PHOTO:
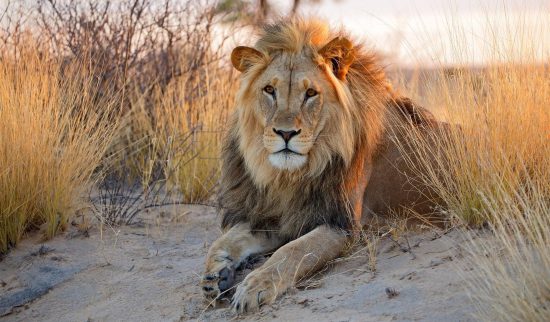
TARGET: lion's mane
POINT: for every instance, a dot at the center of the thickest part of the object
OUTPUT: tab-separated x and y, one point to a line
294	203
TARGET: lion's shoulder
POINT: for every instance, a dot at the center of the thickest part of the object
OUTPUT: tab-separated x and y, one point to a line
412	112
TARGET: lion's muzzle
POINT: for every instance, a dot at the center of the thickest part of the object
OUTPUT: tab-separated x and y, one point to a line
286	150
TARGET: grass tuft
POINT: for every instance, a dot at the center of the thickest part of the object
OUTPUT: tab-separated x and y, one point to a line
55	129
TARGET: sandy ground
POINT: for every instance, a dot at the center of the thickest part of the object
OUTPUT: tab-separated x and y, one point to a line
150	272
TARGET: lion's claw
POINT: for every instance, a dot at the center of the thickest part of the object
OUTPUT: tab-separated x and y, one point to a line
210	288
209	277
256	290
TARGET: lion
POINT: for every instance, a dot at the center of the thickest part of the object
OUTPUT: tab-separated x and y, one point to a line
309	158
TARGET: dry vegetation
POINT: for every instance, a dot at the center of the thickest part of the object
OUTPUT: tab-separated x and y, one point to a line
124	101
52	138
494	172
140	99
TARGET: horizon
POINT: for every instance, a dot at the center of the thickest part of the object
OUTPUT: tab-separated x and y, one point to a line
423	33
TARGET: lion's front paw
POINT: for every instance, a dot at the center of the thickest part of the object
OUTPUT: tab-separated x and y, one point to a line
218	278
258	288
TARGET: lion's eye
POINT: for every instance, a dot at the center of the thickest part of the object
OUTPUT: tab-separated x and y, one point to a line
269	89
310	93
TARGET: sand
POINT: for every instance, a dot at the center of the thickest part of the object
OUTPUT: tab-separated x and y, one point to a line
150	272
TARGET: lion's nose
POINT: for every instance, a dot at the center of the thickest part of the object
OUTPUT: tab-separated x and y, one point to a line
286	135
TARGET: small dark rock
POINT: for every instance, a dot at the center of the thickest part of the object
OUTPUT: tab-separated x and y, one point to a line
391	292
43	250
57	258
303	302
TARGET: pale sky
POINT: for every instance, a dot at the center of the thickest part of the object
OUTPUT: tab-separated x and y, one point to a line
428	31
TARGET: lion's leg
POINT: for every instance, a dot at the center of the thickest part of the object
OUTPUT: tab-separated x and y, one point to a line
288	264
228	252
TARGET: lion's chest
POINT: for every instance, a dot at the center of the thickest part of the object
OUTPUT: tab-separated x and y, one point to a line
294	212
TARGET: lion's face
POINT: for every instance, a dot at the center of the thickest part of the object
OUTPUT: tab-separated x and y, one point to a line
292	95
294	100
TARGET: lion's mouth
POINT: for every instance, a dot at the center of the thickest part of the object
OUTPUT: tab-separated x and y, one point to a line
287	151
287	159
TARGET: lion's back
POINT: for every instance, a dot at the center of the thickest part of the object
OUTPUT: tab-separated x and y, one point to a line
395	185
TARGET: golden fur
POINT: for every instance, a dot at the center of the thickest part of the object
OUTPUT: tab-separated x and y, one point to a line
319	192
345	166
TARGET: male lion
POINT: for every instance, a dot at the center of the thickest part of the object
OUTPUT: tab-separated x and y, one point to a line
308	159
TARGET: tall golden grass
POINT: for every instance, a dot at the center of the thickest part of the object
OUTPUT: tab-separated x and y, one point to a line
177	129
499	142
54	131
172	94
494	170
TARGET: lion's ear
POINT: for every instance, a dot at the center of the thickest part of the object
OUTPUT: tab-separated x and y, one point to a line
340	54
244	57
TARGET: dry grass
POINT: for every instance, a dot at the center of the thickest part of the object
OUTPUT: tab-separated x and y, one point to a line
178	131
173	93
499	138
513	267
52	138
493	169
